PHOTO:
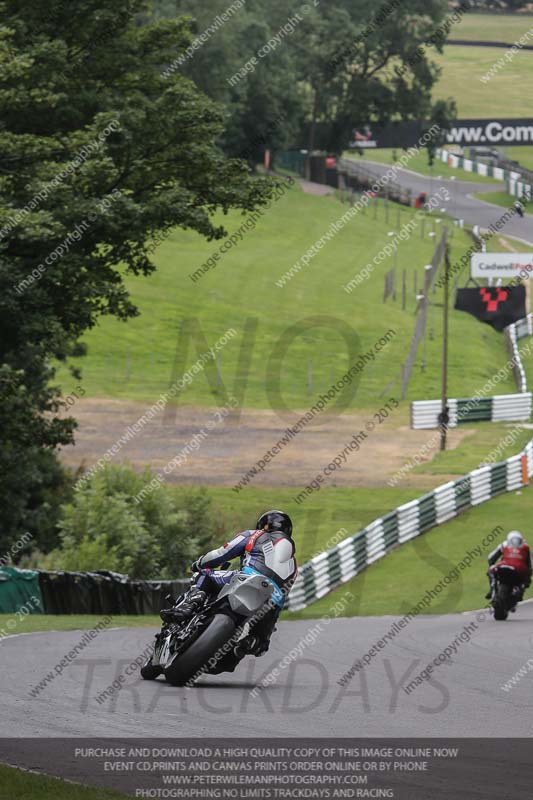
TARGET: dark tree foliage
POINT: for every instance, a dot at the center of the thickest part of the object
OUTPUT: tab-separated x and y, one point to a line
337	69
109	137
99	152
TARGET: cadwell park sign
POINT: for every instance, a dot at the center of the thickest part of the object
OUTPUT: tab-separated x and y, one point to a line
501	265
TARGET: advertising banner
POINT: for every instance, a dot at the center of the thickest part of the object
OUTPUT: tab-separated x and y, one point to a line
497	306
274	768
396	134
465	132
501	265
490	132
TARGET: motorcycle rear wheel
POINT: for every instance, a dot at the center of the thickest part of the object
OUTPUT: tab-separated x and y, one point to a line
501	603
186	665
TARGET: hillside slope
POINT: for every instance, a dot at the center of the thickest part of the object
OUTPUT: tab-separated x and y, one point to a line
137	360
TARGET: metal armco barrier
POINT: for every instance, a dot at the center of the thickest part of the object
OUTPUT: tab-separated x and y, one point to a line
360	176
327	571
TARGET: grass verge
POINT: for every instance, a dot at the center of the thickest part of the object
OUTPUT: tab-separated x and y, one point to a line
492	27
35	623
15	784
497	198
335	513
507	94
523	154
390	586
316	522
499	439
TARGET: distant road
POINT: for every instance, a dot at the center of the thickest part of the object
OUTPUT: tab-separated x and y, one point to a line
462	205
485	43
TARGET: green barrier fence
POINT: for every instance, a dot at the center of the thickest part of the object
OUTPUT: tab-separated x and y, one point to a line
20	591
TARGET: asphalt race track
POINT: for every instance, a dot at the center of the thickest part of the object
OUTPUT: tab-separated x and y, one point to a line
461	204
462	698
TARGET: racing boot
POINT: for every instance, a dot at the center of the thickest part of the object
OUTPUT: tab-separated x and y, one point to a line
193	600
251	646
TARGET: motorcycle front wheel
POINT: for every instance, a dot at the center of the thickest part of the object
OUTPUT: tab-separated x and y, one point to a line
207	646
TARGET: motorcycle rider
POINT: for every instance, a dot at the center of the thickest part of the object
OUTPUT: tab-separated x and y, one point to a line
519	208
268	550
514	552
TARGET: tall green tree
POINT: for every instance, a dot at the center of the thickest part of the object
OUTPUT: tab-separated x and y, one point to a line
266	109
335	65
99	152
352	50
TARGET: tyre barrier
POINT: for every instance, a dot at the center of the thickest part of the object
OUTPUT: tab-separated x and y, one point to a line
514	332
520	189
101	592
457	161
499	408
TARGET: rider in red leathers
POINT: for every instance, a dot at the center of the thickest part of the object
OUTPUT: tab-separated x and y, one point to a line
514	552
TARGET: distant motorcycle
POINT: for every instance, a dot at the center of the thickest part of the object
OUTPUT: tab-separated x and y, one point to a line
506	590
216	638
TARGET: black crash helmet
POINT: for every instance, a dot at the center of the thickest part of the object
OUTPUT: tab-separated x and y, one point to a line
276	521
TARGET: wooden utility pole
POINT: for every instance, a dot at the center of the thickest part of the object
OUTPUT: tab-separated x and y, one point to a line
444	416
312	132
